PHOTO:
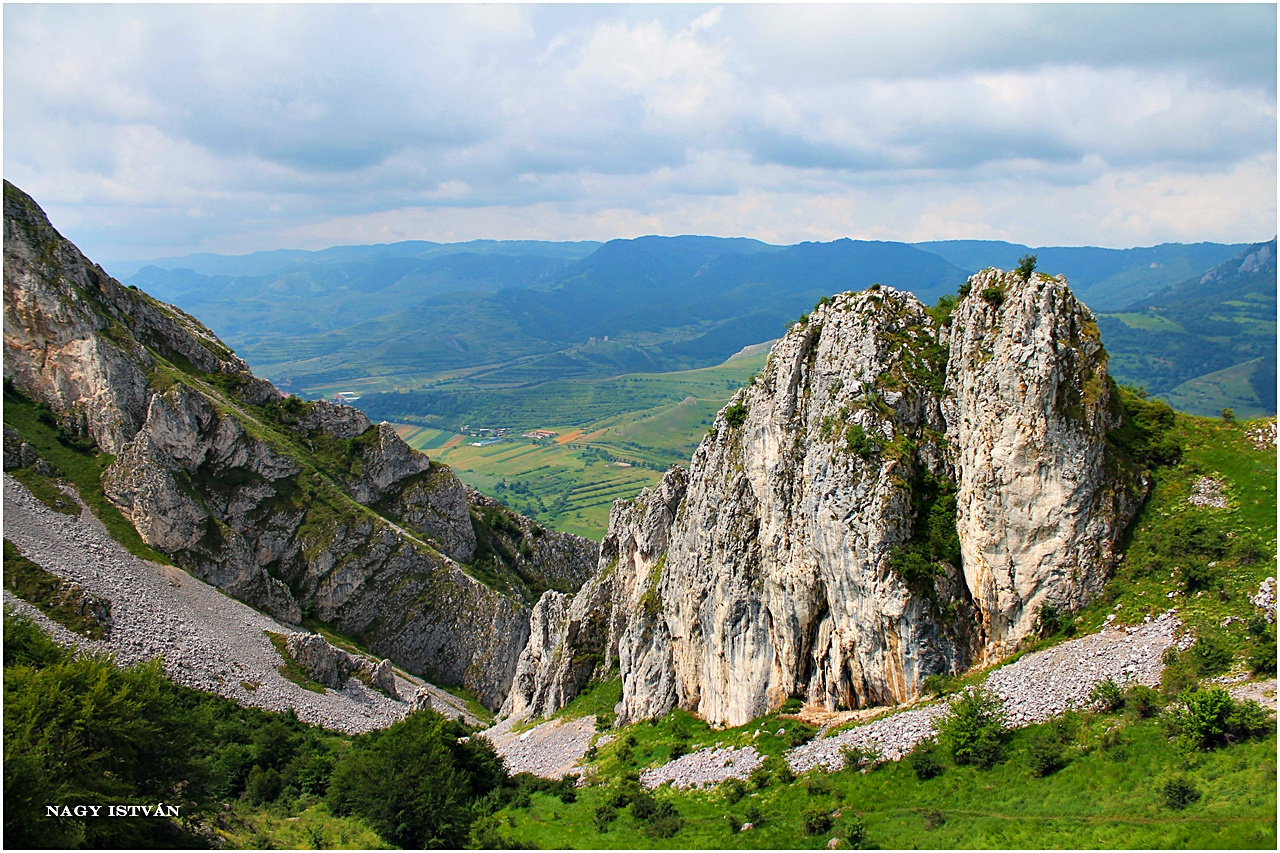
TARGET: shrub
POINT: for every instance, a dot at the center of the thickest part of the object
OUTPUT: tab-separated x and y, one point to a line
1045	752
779	767
1209	657
1106	696
1211	718
934	819
1048	620
817	784
734	825
754	816
1178	792
262	786
815	820
1195	575
1228	415
974	730
855	757
860	442
993	296
793	705
736	415
733	790
854	830
1026	266
416	782
604	720
925	761
937	685
1142	700
1262	654
604	815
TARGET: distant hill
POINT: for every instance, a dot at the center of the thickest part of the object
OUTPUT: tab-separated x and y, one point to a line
1206	343
649	304
488	315
1105	279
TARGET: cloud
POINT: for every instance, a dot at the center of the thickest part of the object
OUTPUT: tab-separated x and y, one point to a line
152	129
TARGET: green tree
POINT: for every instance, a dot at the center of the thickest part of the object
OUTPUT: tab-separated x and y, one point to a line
419	783
973	730
1026	266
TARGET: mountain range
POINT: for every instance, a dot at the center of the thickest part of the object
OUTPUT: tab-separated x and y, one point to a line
493	315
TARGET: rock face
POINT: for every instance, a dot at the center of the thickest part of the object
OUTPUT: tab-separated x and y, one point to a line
891	498
291	506
333	666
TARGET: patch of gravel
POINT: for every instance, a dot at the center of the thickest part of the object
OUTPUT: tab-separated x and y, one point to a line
206	639
1262	436
552	749
1262	692
1265	599
1034	688
704	767
1208	492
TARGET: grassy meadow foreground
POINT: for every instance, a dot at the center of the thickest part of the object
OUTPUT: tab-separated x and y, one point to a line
1183	766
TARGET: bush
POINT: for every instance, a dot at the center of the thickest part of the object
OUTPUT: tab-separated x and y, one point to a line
262	786
643	807
937	685
854	830
1048	620
1262	654
604	720
793	705
1026	266
1106	696
736	415
604	815
416	783
925	761
1209	657
974	730
1142	700
1211	718
1178	792
860	442
816	820
752	813
993	296
1045	752
733	790
855	757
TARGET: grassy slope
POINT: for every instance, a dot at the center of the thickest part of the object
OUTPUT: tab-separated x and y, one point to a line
1108	796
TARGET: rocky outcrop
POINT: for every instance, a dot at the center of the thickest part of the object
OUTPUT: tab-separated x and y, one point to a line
291	506
1027	411
333	666
893	497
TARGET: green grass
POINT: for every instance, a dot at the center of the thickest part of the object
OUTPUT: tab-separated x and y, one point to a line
1103	798
40	588
1208	395
46	491
312	827
1170	535
290	668
81	467
1151	322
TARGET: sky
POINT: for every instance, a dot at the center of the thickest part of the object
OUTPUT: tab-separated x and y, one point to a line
154	130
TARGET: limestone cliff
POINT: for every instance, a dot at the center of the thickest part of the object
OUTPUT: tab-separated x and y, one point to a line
291	506
894	496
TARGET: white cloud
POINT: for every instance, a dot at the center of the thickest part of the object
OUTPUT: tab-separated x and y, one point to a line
305	125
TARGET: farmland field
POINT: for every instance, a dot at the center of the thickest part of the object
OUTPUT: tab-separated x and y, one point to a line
570	481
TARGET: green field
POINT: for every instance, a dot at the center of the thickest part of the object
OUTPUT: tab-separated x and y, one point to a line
642	424
1223	389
